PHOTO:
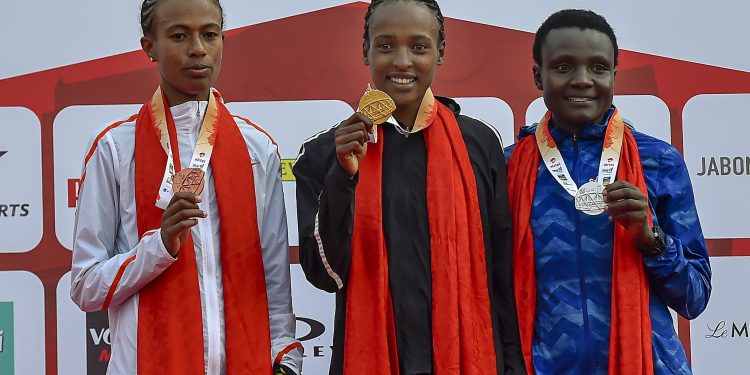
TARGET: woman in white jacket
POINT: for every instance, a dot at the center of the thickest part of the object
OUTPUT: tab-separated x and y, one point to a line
180	230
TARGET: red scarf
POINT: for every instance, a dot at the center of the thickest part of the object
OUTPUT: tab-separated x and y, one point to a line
462	333
630	349
170	329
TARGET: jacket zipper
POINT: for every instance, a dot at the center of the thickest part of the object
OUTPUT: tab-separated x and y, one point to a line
579	251
208	264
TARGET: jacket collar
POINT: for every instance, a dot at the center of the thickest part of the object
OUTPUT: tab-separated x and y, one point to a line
590	131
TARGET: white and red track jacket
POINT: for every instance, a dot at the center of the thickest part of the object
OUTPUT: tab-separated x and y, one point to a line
106	242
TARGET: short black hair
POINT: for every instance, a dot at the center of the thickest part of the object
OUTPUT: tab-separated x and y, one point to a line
580	18
147	14
432	5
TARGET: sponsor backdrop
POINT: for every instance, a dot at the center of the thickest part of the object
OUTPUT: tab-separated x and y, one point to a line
296	68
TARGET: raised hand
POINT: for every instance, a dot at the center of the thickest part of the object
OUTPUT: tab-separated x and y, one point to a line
181	214
628	206
351	141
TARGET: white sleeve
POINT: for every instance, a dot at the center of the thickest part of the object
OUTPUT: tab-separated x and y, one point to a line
103	274
275	247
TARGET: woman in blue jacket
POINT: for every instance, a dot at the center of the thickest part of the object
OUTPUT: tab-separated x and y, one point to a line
606	234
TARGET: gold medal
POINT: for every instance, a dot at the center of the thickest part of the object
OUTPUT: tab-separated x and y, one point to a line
376	105
188	180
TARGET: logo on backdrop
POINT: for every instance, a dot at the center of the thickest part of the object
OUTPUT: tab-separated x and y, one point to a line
73	185
316	330
98	343
7	333
13	209
725	166
727	330
286	170
99	350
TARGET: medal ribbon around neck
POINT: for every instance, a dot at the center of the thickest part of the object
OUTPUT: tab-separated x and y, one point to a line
588	198
425	115
165	127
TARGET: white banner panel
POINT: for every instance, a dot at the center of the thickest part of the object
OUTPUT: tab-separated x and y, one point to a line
493	111
720	336
71	332
21	324
715	138
72	130
20	188
314	309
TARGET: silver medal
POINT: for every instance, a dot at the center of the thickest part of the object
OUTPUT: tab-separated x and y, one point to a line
590	198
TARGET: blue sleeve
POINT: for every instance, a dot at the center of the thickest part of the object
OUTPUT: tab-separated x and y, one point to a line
508	151
681	275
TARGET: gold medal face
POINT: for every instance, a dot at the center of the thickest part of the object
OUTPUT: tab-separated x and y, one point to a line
590	198
376	105
188	180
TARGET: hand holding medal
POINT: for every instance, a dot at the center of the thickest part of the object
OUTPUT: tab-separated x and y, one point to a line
628	206
181	214
352	134
188	180
378	107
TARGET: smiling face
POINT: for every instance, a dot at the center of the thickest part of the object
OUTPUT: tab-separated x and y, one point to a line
577	76
403	52
187	42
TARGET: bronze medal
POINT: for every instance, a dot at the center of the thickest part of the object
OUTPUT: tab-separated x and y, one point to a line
376	105
188	180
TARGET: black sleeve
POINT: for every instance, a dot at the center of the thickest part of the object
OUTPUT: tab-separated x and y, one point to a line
502	272
325	214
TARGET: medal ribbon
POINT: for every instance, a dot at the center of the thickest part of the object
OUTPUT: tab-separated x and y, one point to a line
608	163
165	127
425	115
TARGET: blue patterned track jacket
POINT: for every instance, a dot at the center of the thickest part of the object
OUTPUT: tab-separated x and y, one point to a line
573	259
